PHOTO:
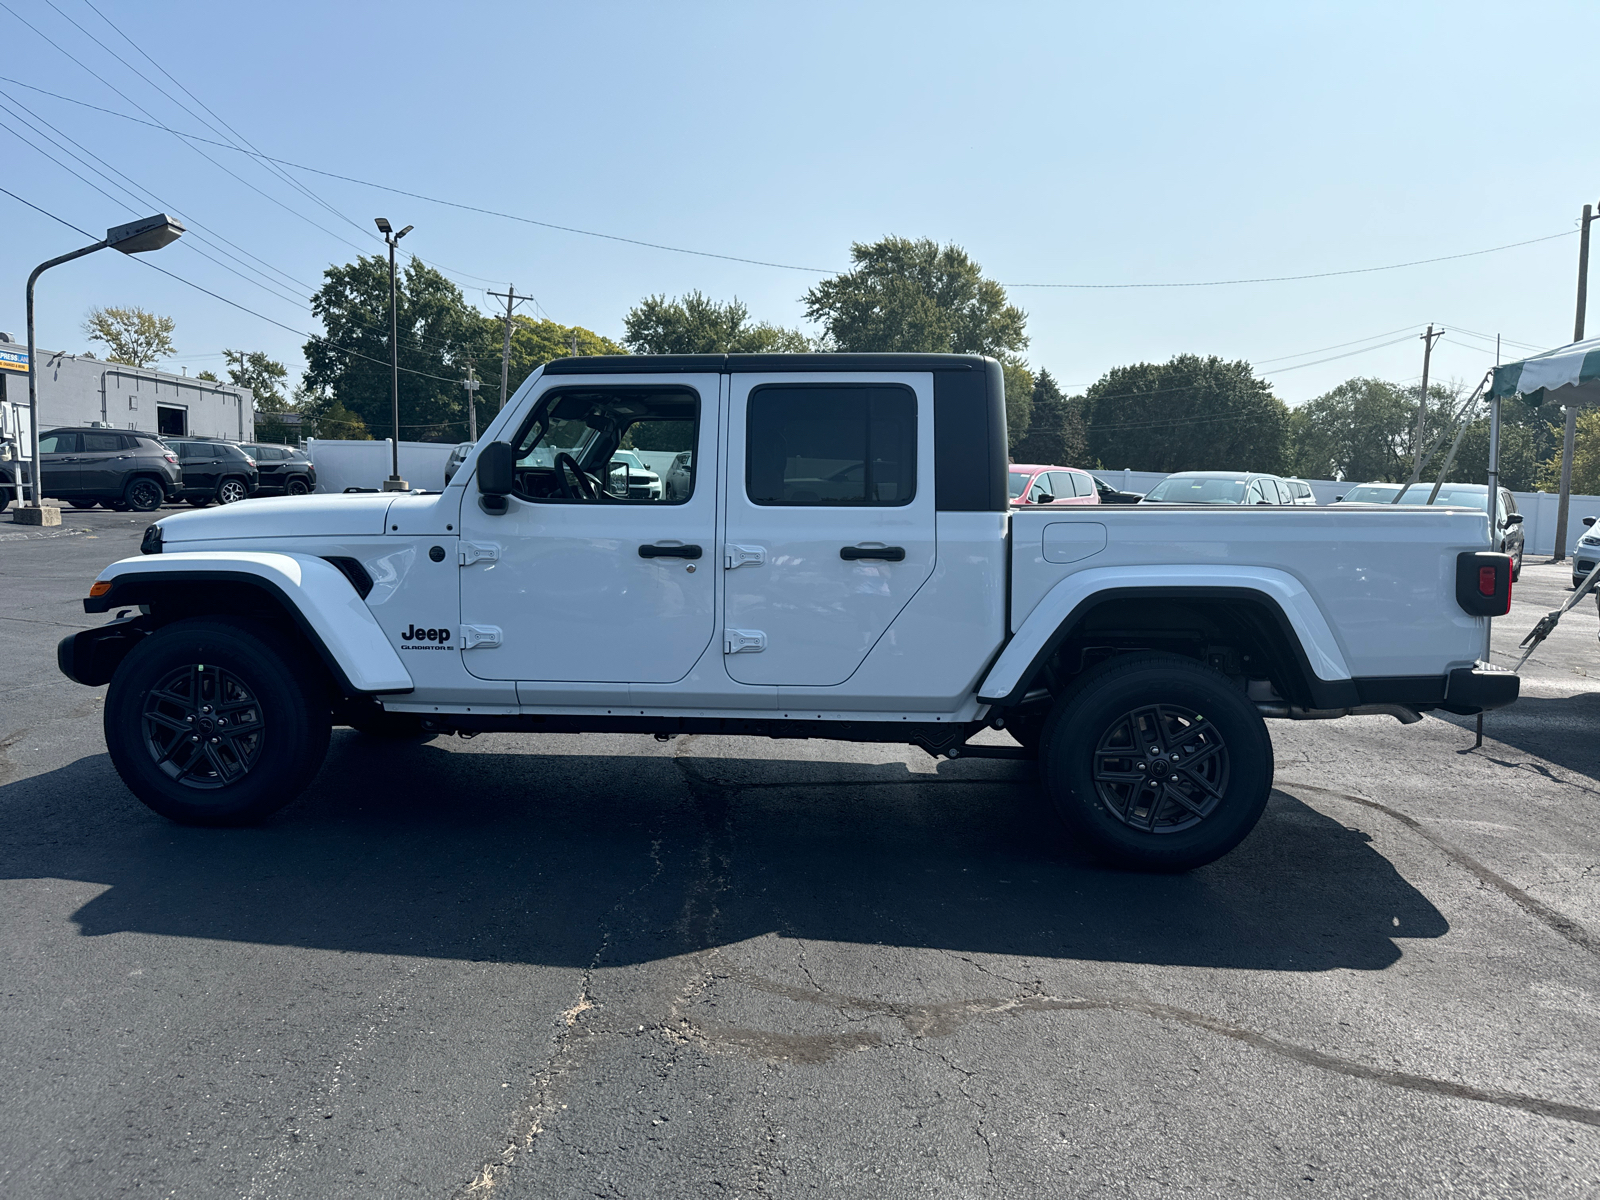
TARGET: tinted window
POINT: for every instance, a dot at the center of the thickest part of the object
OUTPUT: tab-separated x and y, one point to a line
1508	501
1083	484
1019	482
835	444
100	442
1061	485
1187	489
58	443
232	452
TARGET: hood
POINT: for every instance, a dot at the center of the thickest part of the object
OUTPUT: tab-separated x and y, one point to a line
335	515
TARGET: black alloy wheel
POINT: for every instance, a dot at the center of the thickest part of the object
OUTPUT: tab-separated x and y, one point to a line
297	486
143	494
203	726
1161	769
231	491
1156	762
217	722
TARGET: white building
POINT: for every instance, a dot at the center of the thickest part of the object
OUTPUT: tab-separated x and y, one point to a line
75	389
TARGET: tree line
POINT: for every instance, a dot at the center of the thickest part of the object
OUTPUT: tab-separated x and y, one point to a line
1192	412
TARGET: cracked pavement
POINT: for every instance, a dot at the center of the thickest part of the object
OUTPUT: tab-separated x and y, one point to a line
606	966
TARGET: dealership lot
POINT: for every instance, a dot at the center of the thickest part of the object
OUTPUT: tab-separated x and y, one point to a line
594	965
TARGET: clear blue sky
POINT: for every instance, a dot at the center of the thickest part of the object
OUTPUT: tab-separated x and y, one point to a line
1058	143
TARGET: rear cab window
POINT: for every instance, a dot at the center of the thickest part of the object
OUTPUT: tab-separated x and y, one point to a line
832	444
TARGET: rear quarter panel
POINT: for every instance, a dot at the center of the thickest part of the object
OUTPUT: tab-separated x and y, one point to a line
1383	579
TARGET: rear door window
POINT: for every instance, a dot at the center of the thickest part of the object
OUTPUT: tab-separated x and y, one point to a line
847	445
99	443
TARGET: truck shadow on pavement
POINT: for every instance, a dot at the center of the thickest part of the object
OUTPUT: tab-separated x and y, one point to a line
1556	730
582	860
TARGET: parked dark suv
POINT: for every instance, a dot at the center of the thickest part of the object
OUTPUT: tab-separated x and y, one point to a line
214	470
283	468
120	468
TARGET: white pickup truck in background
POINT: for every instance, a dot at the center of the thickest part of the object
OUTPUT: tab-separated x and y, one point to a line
841	562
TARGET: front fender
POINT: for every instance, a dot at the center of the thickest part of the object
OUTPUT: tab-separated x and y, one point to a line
1055	615
314	593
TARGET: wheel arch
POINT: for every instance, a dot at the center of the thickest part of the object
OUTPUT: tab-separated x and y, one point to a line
1261	628
308	595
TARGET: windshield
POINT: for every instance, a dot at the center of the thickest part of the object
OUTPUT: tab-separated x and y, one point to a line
1461	495
1204	489
1019	480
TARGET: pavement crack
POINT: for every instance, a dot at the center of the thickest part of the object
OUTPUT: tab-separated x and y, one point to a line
1562	924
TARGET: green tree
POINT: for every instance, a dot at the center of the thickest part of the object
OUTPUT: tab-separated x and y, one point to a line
534	343
910	295
1188	414
265	378
1365	430
1585	458
697	324
134	337
438	333
1055	433
1519	459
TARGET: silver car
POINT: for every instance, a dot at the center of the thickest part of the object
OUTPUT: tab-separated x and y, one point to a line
1219	487
680	476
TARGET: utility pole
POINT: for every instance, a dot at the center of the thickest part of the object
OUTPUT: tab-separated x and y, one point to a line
512	300
1428	340
574	343
472	385
1569	438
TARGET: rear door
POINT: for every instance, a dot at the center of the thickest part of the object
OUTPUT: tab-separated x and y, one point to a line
103	459
829	521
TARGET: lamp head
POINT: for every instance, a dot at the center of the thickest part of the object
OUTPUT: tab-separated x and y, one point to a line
384	227
148	233
403	232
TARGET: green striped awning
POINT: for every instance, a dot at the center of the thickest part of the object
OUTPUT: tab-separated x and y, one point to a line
1569	375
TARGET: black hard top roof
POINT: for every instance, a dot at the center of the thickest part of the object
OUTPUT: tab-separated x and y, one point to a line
629	364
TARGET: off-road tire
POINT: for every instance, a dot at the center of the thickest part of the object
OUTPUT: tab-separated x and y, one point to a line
232	490
143	494
1222	770
272	738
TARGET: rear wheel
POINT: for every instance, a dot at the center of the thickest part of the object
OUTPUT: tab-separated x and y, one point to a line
143	494
214	722
83	503
231	491
297	486
1157	762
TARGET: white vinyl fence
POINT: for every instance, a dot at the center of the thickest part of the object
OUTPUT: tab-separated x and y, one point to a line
342	465
1538	509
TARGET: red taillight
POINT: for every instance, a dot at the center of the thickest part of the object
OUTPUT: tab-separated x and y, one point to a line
1486	581
171	457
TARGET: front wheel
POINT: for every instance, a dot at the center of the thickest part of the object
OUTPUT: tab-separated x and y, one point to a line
1157	762
231	491
209	723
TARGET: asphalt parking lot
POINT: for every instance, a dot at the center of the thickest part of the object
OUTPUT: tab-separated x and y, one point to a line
606	966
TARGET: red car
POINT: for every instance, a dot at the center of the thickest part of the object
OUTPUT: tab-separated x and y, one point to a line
1052	485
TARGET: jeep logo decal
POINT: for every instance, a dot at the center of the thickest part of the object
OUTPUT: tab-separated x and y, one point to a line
416	637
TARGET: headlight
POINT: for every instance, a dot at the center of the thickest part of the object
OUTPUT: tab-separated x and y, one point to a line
1589	541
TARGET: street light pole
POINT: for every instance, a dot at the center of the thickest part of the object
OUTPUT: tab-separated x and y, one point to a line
136	237
394	483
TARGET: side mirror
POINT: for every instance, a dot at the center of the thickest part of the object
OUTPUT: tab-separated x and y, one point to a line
1045	498
496	474
1336	499
1588	520
1516	519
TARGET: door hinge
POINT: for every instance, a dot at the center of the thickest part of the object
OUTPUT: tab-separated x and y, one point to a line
472	552
743	641
741	556
475	637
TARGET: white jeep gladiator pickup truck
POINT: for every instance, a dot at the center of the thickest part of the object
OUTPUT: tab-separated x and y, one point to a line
841	562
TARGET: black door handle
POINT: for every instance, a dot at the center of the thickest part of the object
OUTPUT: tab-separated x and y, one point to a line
669	551
886	553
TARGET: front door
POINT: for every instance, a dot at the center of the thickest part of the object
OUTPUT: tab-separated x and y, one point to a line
830	523
593	574
58	464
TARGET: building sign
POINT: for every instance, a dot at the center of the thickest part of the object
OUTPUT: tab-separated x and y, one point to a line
13	360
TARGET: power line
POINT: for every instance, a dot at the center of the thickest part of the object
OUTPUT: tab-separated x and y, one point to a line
1256	362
